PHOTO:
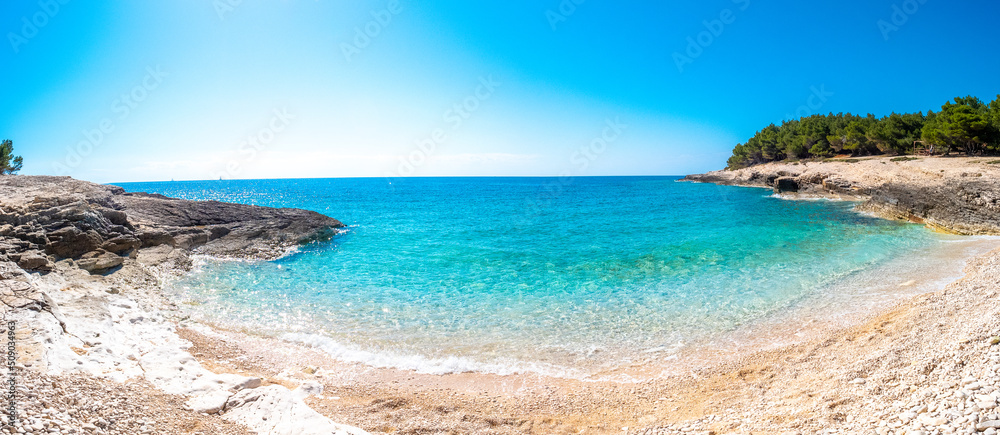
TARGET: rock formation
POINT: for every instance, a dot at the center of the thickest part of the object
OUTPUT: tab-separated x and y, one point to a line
46	219
957	195
92	252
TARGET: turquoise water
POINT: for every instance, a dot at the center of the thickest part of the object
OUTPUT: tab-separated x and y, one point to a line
557	276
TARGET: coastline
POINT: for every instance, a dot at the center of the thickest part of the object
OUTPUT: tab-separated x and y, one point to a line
830	380
81	273
957	195
932	342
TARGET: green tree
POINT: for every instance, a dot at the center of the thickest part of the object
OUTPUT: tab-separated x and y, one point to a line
995	111
836	141
896	133
9	163
821	149
812	134
963	125
993	115
856	137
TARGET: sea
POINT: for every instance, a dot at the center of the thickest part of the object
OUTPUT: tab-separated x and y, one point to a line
585	277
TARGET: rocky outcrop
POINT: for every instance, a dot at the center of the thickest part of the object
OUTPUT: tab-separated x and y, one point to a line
47	219
107	251
224	229
786	181
962	206
954	195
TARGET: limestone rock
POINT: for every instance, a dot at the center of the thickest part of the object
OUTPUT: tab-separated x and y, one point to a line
929	191
989	424
67	218
71	242
34	261
275	410
155	237
211	403
121	244
99	261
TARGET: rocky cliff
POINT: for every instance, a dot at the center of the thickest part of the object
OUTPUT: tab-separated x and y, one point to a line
958	195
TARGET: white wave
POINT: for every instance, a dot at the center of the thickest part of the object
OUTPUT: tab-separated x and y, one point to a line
422	364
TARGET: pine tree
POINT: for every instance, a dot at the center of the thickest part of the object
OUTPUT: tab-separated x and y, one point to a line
962	125
9	163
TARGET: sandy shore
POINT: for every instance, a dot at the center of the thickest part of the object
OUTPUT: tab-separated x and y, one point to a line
930	364
852	380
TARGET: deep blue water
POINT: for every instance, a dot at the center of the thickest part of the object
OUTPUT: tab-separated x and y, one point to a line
565	276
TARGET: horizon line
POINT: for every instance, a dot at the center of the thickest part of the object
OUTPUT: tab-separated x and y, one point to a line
401	178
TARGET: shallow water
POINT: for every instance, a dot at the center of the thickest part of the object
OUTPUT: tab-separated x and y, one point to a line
566	277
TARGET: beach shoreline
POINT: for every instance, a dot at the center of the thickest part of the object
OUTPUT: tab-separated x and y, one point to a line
911	358
799	380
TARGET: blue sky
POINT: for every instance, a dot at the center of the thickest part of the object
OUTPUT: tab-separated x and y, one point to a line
199	89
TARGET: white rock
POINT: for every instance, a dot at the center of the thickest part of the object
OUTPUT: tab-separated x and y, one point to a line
308	389
927	420
209	403
990	424
275	410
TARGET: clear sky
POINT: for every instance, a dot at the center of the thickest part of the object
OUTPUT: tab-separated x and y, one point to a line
159	90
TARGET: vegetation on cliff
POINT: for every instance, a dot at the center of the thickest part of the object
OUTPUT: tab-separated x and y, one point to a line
9	163
965	125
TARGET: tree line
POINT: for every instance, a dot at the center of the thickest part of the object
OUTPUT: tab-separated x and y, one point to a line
965	125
